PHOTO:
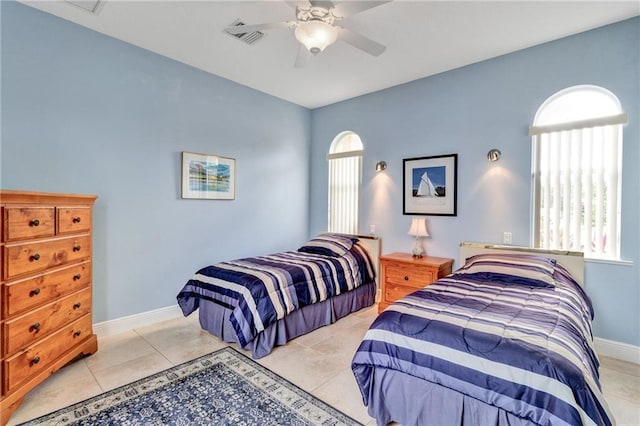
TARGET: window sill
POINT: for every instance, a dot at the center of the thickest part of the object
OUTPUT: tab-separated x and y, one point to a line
616	262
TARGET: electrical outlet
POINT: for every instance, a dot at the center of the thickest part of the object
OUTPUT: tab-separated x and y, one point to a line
506	237
372	229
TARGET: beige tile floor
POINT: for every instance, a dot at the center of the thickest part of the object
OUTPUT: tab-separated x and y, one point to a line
318	362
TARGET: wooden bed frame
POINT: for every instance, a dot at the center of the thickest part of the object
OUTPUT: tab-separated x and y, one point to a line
573	261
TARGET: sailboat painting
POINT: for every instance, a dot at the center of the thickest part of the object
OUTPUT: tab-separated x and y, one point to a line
423	182
430	185
208	177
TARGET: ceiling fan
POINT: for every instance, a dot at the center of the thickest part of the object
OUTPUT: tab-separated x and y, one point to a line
318	24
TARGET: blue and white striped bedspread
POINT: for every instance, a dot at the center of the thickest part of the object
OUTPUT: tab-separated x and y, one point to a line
261	290
526	350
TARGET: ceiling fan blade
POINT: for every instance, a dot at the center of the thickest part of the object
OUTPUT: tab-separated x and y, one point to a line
361	42
241	29
346	9
295	4
326	4
303	57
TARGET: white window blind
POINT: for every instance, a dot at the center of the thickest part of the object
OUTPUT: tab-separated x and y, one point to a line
577	175
345	171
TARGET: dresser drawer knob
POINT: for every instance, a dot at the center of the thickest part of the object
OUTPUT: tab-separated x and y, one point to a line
34	222
406	278
35	292
35	360
35	257
35	327
76	248
77	333
76	277
76	305
76	219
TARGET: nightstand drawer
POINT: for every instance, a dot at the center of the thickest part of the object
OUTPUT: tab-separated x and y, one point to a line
393	292
408	275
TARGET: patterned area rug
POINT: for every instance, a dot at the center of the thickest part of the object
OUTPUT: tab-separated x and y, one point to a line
222	388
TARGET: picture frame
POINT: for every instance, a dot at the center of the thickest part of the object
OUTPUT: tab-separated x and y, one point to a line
208	177
430	185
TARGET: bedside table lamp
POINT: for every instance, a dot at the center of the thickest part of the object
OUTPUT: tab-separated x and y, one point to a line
418	229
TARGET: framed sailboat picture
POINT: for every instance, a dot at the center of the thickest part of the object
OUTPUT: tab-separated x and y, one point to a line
208	177
430	185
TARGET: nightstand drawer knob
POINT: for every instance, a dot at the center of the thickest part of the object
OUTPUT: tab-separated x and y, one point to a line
76	277
77	248
35	257
76	219
34	222
35	360
77	305
35	327
406	278
77	333
35	292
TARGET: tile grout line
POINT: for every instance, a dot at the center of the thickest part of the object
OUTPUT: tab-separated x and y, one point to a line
135	330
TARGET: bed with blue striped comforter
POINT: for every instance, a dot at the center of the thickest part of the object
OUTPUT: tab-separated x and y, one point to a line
261	290
526	351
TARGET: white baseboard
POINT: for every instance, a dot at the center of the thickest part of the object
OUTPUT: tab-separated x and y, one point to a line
618	350
122	324
610	348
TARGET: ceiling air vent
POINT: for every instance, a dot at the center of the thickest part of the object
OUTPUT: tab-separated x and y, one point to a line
92	6
248	38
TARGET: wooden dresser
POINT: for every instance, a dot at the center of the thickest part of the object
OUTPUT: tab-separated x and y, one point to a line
403	274
45	293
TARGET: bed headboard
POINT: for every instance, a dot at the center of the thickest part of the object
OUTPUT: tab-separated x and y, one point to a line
373	246
573	261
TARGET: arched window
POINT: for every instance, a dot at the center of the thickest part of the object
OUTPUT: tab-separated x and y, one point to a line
345	171
577	164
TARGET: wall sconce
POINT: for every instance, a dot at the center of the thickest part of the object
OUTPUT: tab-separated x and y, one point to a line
381	165
494	155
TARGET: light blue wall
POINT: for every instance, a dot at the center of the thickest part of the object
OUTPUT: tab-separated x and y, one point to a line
85	113
471	110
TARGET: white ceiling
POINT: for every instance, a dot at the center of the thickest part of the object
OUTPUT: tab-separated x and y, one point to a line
422	37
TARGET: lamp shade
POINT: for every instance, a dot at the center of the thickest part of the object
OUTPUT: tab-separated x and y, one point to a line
315	35
418	228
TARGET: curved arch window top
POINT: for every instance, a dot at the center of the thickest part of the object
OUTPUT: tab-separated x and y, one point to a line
578	107
346	144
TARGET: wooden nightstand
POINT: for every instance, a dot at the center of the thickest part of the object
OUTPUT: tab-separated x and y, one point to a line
403	274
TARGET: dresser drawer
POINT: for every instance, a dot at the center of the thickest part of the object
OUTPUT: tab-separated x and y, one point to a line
73	219
408	275
34	257
20	296
29	222
40	356
27	329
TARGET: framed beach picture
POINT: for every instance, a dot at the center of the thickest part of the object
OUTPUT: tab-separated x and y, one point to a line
208	177
430	185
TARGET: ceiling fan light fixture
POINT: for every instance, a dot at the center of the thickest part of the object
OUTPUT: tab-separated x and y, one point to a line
316	35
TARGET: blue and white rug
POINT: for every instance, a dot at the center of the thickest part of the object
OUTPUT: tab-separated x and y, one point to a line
222	388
